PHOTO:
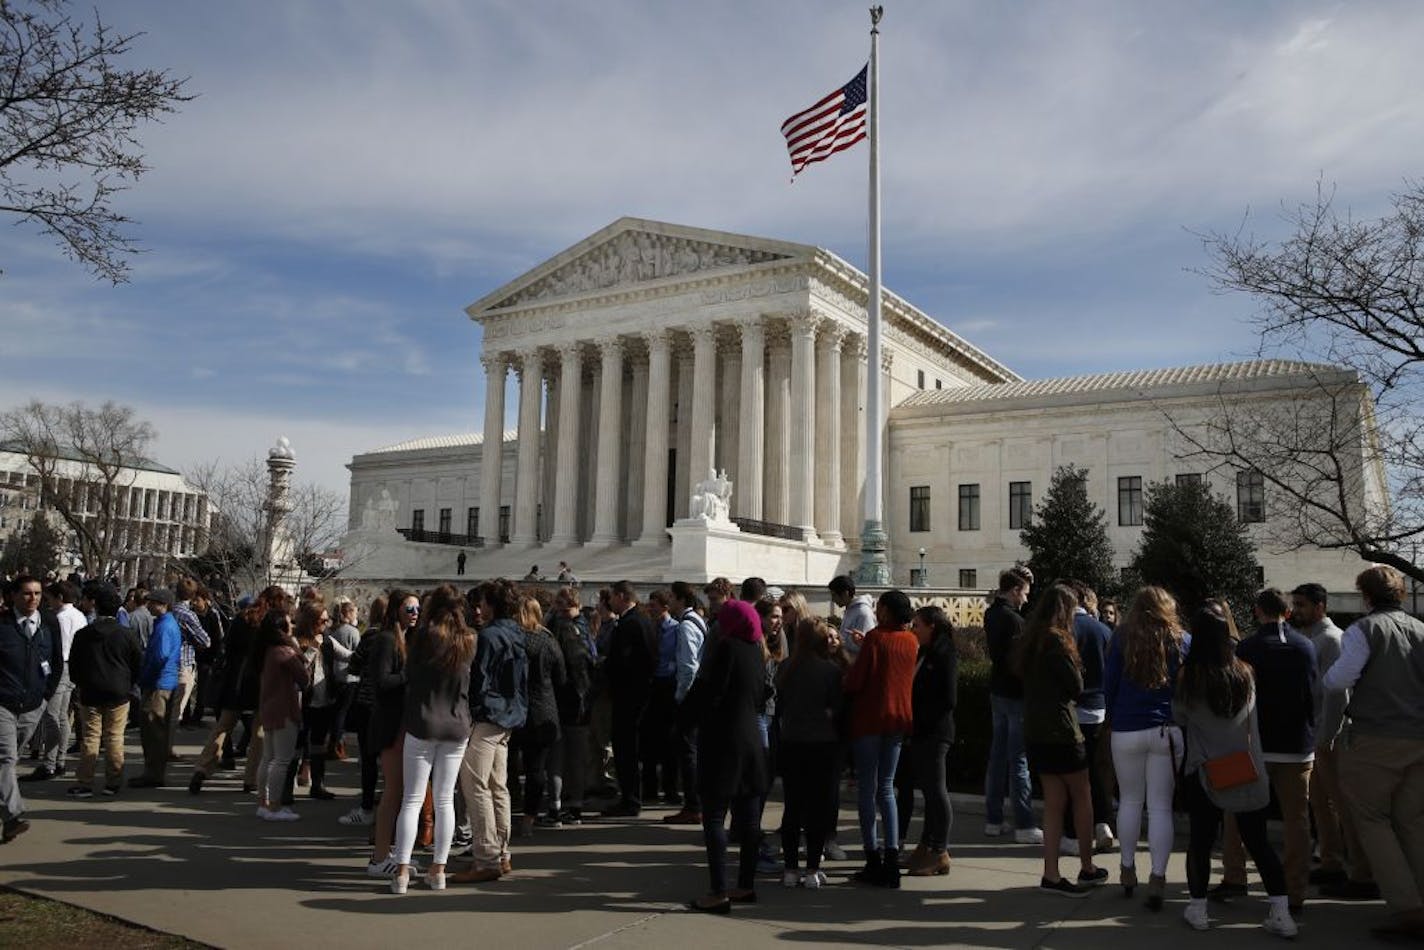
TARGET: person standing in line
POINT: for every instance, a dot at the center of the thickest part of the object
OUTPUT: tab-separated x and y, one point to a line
569	762
1091	636
691	637
158	681
194	638
540	732
499	704
362	702
1215	703
933	698
1140	672
340	642
319	698
1283	663
1382	663
628	666
658	741
212	620
385	666
1003	628
285	673
105	659
858	612
437	726
1047	659
880	685
54	723
31	664
725	699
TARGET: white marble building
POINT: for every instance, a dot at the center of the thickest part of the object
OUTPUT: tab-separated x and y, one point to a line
649	354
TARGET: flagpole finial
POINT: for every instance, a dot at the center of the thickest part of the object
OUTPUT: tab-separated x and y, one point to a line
876	12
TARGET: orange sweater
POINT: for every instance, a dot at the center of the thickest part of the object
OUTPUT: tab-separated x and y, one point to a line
881	682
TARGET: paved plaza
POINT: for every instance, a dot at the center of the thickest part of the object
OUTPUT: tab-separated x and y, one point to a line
205	868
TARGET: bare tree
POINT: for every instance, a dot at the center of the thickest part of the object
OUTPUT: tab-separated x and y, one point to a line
85	461
68	117
1347	452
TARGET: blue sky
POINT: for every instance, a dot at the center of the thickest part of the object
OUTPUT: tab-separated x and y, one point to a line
352	174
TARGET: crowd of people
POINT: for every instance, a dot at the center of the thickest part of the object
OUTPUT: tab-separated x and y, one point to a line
486	714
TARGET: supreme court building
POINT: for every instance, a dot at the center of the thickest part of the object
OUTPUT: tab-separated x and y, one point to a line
649	356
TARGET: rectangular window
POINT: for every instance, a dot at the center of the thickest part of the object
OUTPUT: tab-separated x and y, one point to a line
920	378
472	522
444	520
939	384
1188	478
1020	505
919	508
503	524
417	520
968	578
1250	497
1129	500
969	507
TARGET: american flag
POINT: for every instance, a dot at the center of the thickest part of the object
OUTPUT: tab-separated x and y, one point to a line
832	125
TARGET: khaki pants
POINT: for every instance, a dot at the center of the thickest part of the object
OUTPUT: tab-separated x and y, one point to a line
211	756
485	784
1291	782
187	682
106	723
1334	823
1386	798
153	731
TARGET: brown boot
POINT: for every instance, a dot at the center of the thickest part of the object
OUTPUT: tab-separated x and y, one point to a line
936	863
339	751
506	866
304	776
917	857
475	876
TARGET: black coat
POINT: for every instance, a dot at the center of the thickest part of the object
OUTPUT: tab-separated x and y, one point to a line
575	698
935	690
632	657
241	678
546	681
729	690
30	667
104	661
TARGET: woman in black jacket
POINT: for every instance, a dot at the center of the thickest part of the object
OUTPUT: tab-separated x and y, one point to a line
732	775
568	763
541	725
385	665
932	702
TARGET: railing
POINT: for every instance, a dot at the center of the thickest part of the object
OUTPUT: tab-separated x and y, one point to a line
770	529
442	537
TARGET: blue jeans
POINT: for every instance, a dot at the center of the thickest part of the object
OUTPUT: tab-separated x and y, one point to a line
1007	760
875	761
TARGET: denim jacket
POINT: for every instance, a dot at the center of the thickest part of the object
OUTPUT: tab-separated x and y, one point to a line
499	679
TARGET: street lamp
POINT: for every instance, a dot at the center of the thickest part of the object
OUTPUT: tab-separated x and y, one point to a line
924	581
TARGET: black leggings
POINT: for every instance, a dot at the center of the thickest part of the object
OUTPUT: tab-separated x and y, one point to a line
809	781
370	756
744	831
931	760
535	757
1206	822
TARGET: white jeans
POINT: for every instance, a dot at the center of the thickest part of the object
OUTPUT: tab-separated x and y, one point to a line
1146	766
277	754
420	758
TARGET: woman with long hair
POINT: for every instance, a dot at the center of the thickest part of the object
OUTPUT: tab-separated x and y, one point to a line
318	699
794	609
933	699
437	726
386	668
1047	659
1139	674
362	701
541	725
568	765
809	685
1215	704
284	674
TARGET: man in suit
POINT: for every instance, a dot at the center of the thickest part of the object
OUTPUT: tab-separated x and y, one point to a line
31	665
631	657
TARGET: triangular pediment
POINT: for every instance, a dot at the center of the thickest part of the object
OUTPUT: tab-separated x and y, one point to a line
635	251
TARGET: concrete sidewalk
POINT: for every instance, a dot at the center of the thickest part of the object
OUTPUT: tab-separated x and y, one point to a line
205	868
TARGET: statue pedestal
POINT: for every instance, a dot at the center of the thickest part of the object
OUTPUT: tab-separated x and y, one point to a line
704	549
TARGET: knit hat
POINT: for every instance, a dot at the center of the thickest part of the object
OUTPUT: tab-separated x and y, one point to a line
738	620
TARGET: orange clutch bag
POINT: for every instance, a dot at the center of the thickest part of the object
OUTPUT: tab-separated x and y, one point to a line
1230	771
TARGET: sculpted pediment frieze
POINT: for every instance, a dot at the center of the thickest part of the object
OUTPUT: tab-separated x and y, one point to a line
635	257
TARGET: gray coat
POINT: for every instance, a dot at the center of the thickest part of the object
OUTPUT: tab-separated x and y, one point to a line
1209	736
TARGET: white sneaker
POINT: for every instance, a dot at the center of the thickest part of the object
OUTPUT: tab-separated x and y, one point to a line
358	816
1028	836
1196	916
399	883
1068	846
436	882
790	878
282	814
993	831
382	869
1279	922
813	880
1103	838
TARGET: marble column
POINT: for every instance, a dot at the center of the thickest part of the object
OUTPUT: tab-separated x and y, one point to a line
566	449
778	461
638	413
526	470
853	435
548	457
610	412
704	401
801	425
492	454
828	434
588	458
729	426
655	450
685	479
751	452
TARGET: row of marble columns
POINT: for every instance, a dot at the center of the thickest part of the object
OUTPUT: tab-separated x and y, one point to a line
778	402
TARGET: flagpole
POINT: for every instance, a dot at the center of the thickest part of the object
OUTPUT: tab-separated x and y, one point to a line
874	562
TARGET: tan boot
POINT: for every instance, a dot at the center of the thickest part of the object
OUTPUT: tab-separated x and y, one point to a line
936	864
917	857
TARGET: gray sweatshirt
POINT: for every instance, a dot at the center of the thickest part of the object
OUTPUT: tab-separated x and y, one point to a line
1209	736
